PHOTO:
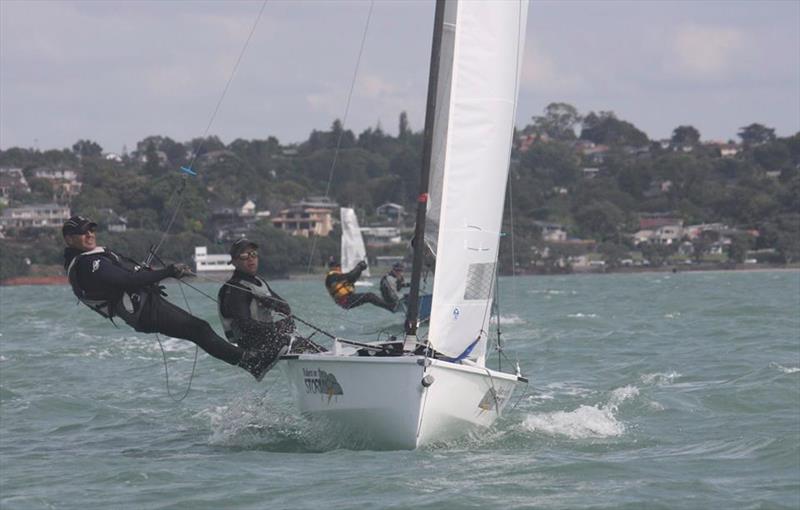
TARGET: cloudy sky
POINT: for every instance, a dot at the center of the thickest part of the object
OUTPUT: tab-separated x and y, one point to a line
118	71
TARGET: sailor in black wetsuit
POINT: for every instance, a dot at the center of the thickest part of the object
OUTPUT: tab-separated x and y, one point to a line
392	285
246	307
115	286
341	287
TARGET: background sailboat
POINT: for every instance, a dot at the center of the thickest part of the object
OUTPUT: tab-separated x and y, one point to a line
353	250
436	386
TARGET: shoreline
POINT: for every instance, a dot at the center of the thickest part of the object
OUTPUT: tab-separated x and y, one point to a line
221	277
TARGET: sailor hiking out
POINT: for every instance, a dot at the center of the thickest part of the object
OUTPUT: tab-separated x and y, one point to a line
341	287
392	284
247	305
116	286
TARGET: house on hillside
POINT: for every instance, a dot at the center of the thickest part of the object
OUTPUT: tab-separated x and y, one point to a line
12	181
656	220
391	212
44	216
65	181
303	220
552	232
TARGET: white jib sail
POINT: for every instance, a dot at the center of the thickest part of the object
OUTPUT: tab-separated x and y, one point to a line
475	134
353	250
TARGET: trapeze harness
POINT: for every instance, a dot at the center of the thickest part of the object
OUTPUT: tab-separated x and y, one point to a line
340	290
260	292
128	305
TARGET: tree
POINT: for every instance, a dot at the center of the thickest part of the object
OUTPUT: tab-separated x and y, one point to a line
152	165
685	136
87	149
605	128
403	130
558	122
600	219
756	134
556	161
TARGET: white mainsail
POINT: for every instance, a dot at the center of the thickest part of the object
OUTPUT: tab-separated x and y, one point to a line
404	398
471	151
352	250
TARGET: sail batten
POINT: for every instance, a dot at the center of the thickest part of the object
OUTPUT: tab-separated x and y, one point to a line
476	103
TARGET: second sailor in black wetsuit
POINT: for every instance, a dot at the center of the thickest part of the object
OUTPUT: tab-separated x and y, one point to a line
116	286
247	305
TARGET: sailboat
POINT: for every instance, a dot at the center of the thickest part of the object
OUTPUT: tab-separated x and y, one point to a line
352	249
434	385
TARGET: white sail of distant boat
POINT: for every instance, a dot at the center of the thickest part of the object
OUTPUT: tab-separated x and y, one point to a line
435	385
352	249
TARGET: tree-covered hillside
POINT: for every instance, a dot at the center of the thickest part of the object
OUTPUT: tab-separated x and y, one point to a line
594	174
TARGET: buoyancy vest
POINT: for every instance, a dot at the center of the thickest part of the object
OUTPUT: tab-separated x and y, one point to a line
128	305
339	290
257	311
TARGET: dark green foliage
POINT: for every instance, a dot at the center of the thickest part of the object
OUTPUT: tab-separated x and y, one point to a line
12	260
758	189
604	128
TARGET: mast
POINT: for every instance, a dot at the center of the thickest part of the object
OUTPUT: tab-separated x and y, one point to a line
412	313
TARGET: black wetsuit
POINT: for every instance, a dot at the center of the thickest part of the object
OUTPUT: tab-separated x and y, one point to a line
341	288
246	303
103	277
391	286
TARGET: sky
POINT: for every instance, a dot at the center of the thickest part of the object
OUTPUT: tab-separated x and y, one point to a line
116	72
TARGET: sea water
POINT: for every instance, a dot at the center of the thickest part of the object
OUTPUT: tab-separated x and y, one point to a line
650	390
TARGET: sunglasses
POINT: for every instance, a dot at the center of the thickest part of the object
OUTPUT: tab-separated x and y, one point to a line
248	255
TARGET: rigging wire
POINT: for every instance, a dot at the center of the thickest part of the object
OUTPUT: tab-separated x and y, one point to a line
228	83
190	171
344	124
196	152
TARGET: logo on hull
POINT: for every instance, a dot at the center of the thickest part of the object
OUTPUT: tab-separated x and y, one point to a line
321	382
492	400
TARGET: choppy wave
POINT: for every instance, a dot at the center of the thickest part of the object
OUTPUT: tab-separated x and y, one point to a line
785	370
659	378
510	319
586	421
580	315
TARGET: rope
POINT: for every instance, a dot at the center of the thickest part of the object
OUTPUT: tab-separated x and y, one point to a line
166	368
344	124
290	316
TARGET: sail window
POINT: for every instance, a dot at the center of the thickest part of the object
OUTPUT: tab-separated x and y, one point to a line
479	281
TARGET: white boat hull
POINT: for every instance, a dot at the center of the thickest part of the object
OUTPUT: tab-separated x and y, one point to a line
381	403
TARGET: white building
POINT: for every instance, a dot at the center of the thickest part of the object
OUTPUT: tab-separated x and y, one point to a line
207	263
35	216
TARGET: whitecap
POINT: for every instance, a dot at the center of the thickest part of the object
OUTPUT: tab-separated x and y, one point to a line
3	358
660	379
585	421
580	315
509	319
785	370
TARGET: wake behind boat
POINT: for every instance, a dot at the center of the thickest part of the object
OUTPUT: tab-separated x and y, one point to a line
434	384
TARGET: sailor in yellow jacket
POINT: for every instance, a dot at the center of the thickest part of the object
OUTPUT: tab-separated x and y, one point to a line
341	287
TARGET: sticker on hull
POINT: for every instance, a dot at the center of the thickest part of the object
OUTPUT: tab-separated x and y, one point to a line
322	383
492	400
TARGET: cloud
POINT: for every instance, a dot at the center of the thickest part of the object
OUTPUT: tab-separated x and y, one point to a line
540	73
374	86
705	52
